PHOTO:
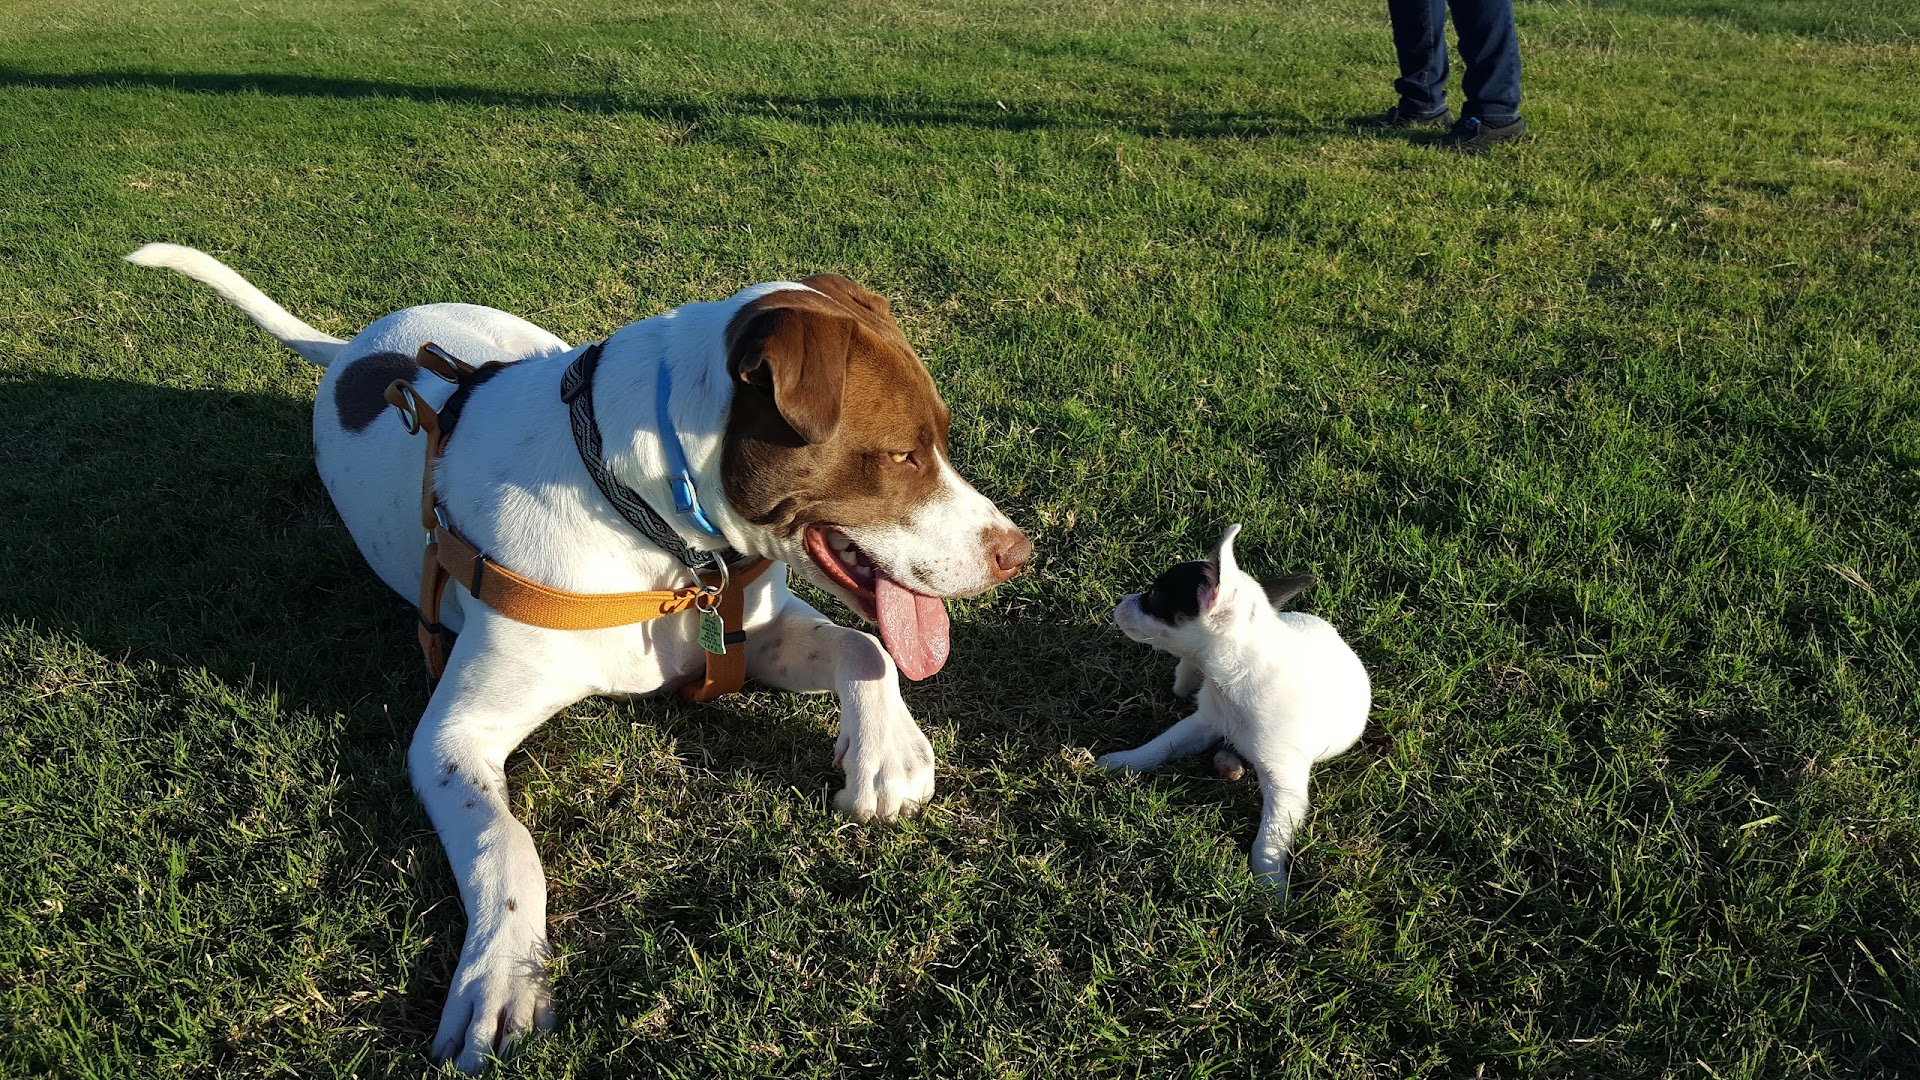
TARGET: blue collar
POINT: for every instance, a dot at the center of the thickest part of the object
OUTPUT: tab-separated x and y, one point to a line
576	390
686	500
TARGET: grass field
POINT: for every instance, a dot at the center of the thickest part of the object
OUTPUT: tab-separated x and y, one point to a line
1606	450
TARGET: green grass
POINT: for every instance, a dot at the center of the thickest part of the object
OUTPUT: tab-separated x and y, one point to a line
1606	450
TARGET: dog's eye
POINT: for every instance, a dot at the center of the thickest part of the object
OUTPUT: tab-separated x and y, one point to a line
901	457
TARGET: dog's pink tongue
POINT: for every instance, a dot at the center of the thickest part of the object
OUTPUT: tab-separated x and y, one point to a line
913	626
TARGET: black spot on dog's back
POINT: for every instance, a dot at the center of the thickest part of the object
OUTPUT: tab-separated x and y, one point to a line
361	394
1175	595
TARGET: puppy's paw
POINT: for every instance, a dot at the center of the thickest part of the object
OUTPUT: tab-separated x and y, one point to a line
1187	678
1119	761
889	769
1274	875
499	993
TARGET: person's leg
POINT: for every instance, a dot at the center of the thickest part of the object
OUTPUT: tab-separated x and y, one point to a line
1490	50
1420	42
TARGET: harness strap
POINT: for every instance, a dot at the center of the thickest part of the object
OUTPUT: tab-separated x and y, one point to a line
435	639
727	672
450	557
525	600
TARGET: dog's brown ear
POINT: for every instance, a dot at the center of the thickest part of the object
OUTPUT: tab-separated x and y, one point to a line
848	291
793	345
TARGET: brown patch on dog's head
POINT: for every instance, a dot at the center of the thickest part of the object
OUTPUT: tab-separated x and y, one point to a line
834	418
360	394
793	346
869	305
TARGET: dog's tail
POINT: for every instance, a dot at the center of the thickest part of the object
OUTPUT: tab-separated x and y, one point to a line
267	315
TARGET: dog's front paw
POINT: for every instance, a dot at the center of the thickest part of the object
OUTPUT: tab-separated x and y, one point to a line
889	767
1118	761
499	994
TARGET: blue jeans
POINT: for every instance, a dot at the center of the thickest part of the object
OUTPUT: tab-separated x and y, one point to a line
1488	46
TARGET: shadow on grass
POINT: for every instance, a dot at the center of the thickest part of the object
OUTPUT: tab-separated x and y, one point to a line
187	529
903	110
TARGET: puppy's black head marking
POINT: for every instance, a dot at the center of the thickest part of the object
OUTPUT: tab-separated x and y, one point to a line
1174	596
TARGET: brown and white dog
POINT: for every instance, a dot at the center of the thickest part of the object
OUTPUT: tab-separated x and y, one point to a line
801	402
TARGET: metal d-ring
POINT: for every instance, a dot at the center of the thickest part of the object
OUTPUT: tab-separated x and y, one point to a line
406	401
709	595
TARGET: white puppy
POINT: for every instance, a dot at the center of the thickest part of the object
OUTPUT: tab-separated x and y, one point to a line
1280	689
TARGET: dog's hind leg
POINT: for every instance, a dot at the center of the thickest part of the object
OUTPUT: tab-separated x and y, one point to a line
499	685
887	759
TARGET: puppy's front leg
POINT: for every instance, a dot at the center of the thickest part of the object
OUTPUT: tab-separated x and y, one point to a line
887	760
1187	678
1188	737
490	698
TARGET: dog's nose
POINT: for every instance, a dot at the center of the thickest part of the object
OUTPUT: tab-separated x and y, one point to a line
1011	550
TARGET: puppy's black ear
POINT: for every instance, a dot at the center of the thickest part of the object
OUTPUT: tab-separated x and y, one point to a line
1281	591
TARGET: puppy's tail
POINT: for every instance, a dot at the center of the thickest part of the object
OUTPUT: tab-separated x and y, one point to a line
267	315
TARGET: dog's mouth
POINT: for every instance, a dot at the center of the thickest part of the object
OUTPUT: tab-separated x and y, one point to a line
912	624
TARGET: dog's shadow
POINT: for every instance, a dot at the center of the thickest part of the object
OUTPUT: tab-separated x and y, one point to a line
188	528
178	531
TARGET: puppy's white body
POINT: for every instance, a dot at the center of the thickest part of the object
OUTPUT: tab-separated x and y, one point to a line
1281	689
513	484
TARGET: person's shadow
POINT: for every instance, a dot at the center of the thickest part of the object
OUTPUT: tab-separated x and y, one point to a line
904	109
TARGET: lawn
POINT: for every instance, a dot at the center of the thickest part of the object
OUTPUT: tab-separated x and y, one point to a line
1606	451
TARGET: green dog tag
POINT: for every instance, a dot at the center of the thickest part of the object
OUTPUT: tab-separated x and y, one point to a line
713	633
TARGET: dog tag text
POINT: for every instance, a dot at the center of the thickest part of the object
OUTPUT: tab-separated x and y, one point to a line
713	633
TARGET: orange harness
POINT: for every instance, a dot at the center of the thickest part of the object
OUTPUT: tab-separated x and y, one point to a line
449	557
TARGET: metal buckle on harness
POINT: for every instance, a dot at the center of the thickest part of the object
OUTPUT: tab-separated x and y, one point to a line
431	357
683	494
